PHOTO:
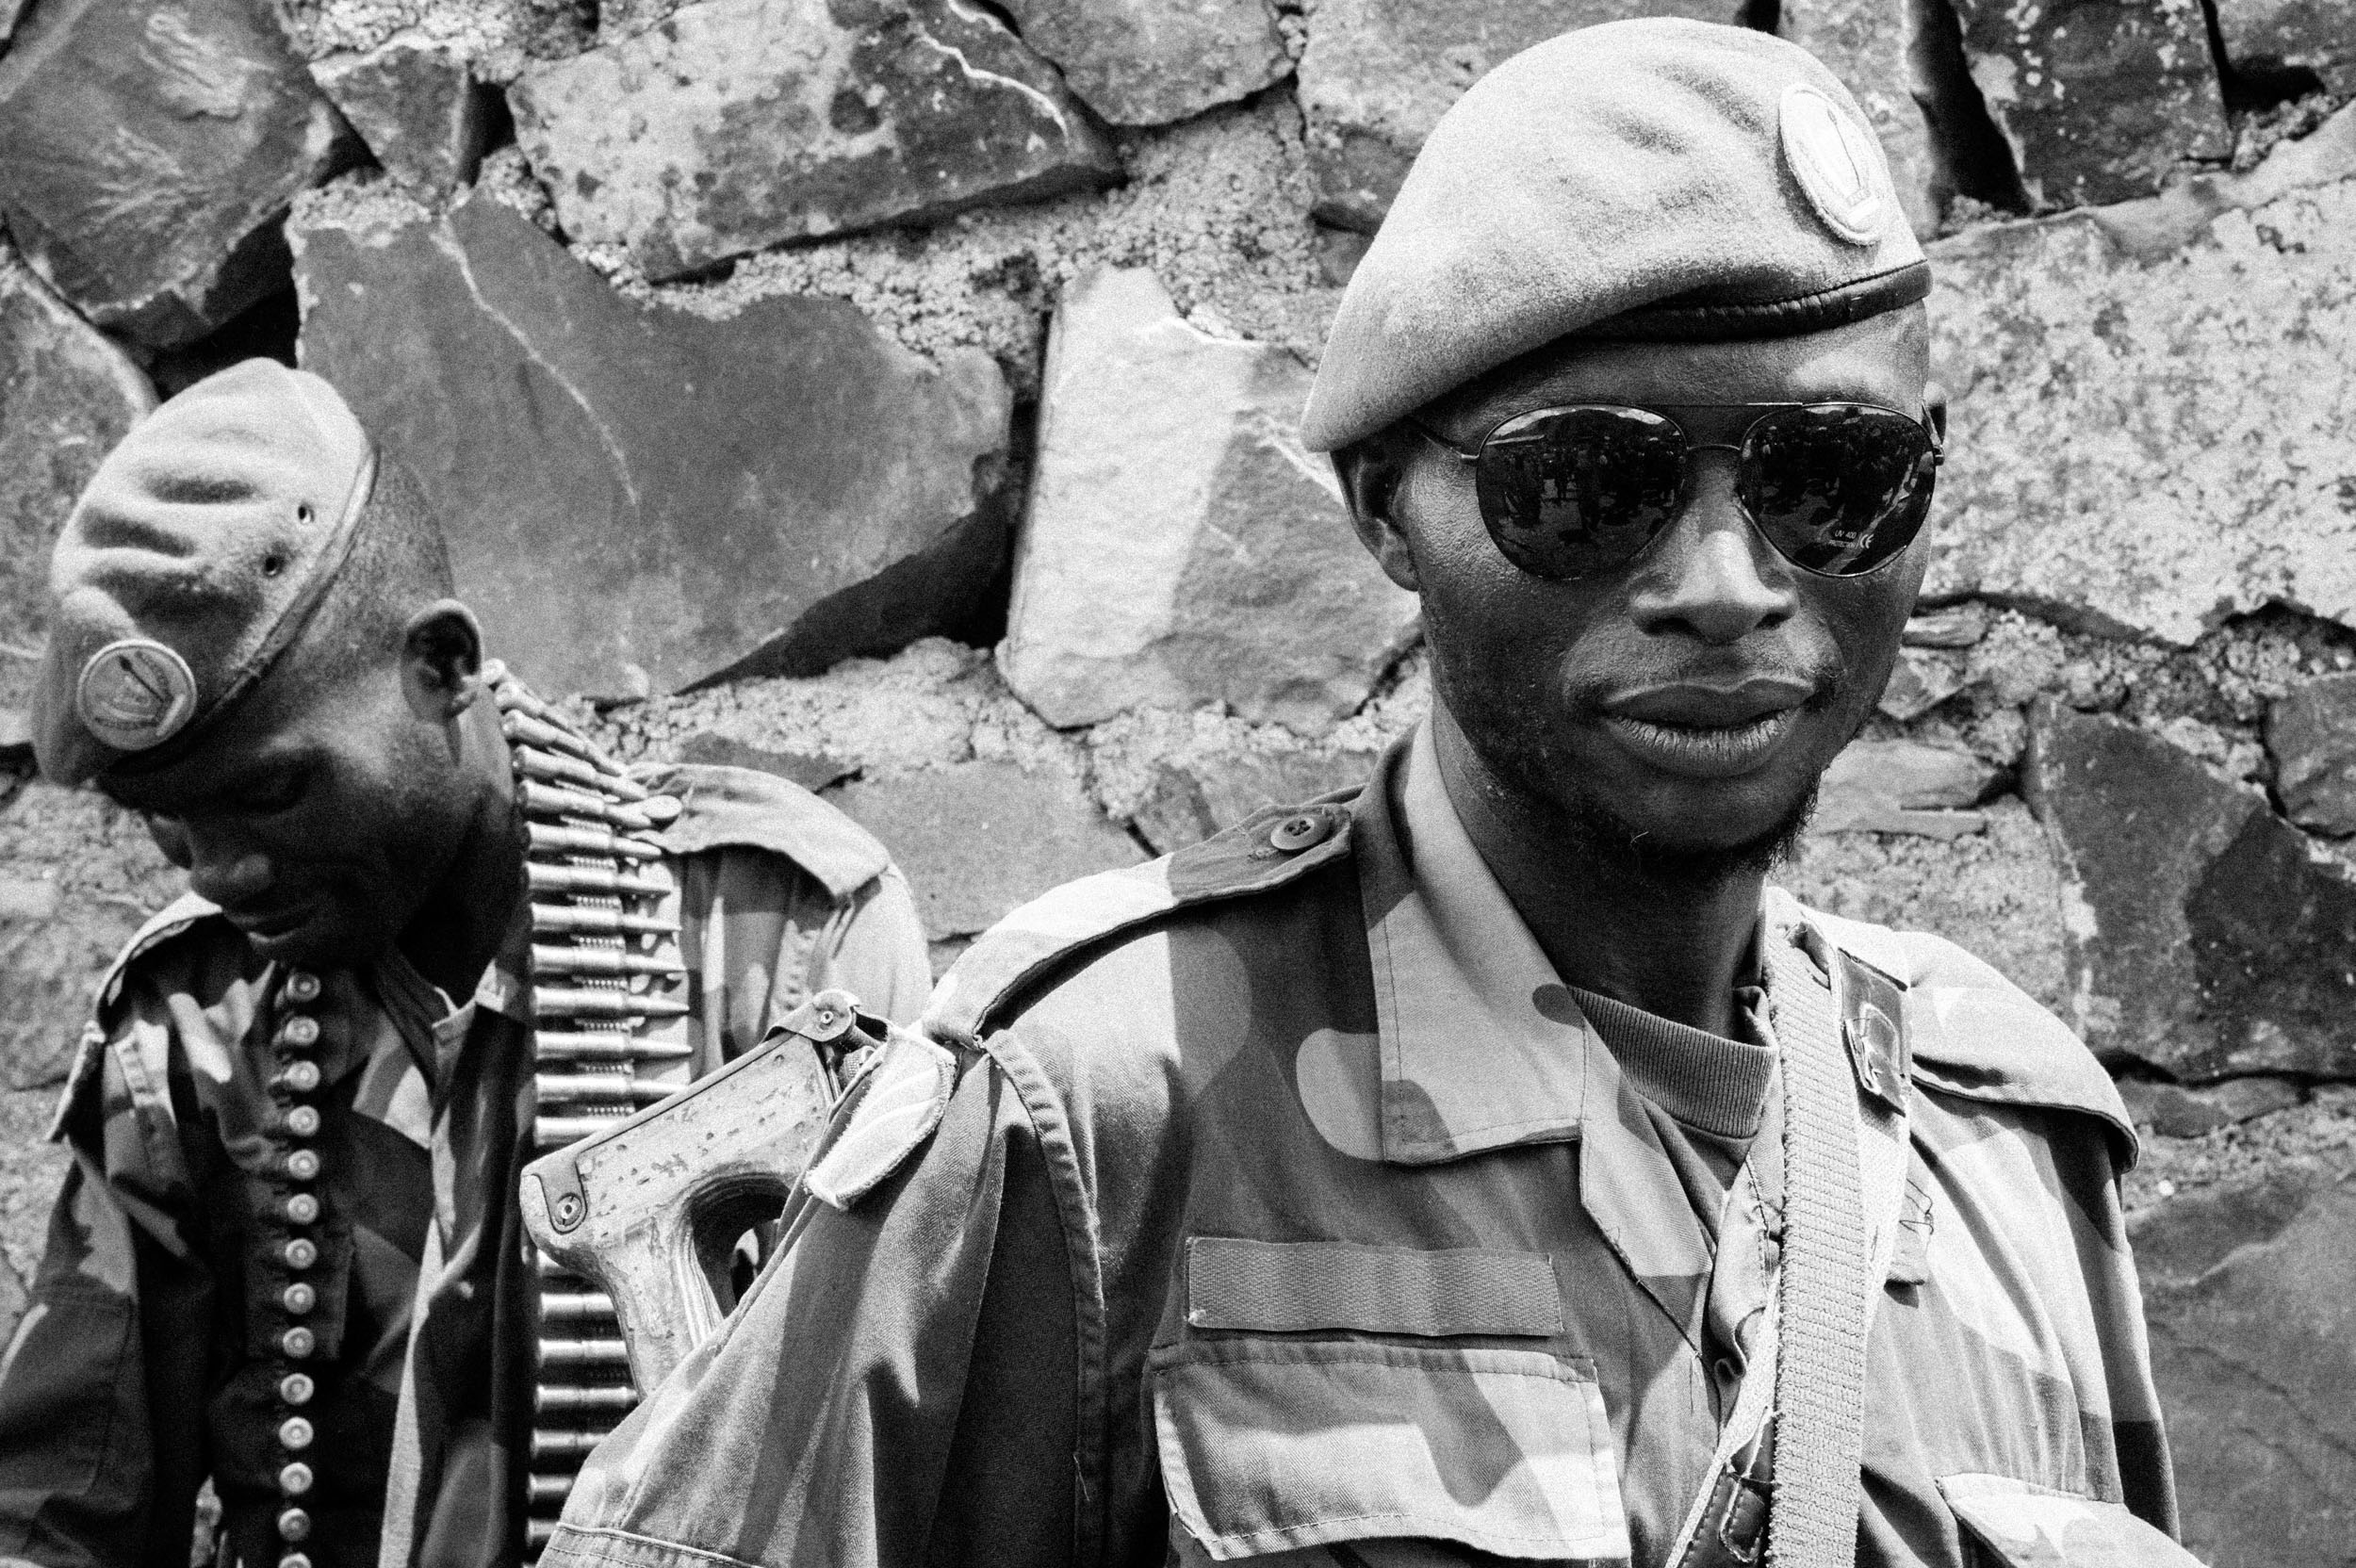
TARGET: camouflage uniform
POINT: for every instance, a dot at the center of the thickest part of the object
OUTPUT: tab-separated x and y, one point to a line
149	1358
1276	1199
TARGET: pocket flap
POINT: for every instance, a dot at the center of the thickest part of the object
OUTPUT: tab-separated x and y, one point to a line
1269	1446
2032	1526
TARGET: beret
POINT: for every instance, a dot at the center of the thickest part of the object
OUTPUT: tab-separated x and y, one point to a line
193	559
1649	179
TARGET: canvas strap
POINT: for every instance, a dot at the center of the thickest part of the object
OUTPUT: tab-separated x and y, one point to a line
1838	1032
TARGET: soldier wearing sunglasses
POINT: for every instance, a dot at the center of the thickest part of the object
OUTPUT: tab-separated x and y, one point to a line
1488	1164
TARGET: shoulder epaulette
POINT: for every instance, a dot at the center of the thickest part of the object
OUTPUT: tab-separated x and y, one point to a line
725	807
1266	850
1977	1035
182	915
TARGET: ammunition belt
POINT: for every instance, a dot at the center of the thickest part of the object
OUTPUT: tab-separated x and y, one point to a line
610	1034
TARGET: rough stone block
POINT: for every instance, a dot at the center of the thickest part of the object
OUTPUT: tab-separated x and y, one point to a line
2100	100
635	495
1147	62
151	151
811	771
1996	893
739	124
81	875
2204	939
1917	685
1903	787
2311	732
67	395
2275	39
419	107
1377	75
1190	801
979	839
2174	1111
1181	547
2153	426
2253	1354
1865	43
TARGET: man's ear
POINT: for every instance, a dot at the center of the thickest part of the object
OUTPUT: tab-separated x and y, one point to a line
1935	405
1372	478
441	660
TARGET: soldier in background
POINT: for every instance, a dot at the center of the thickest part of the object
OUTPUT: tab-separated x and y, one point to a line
1486	1165
430	928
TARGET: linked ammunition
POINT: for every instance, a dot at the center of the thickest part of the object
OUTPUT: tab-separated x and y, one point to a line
549	840
561	1089
593	879
547	800
556	768
584	921
591	1046
547	959
573	1002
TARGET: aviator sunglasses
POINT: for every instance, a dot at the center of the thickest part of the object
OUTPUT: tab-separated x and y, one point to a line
1838	489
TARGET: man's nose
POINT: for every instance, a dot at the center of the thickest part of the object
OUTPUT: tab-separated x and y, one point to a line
1712	577
225	873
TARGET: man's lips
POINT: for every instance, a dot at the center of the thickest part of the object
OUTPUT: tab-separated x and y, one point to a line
1701	730
275	920
1702	705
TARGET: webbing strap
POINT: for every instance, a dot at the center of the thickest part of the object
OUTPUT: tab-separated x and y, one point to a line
1820	1373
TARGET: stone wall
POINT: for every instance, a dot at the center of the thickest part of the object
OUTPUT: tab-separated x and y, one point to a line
899	394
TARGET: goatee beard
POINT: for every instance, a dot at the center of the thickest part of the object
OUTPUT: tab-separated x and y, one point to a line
1620	849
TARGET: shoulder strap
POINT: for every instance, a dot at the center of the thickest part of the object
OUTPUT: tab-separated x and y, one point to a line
1838	1026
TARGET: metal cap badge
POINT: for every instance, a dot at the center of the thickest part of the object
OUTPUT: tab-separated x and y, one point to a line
135	694
1833	158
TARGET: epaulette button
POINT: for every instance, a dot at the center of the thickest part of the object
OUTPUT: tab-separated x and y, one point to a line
1296	833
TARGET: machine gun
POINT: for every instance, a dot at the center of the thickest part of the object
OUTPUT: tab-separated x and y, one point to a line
652	1208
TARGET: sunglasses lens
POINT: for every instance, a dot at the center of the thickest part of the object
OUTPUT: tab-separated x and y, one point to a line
1570	492
1838	488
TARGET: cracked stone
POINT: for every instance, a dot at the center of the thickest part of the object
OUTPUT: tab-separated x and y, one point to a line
2203	938
2278	37
636	495
1901	786
67	395
419	107
1181	548
977	840
151	151
2154	429
82	875
811	771
2099	101
1148	62
739	124
1864	43
2311	732
2177	1112
2250	1297
1917	685
1377	75
1959	627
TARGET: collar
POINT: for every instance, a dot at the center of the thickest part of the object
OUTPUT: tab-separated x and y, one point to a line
1482	1045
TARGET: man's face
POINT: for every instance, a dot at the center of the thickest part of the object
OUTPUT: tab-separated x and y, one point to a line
319	818
1688	701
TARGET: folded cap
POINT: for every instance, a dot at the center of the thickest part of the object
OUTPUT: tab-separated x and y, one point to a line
193	559
1652	179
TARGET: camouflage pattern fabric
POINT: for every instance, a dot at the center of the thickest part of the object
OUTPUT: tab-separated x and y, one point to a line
1288	1207
145	1361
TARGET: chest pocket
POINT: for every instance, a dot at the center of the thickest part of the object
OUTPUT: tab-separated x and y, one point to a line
1272	1444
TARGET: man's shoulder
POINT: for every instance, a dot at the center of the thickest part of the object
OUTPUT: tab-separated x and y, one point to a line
1087	937
725	807
186	949
1974	1034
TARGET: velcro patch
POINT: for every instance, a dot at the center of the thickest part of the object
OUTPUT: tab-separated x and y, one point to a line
901	1099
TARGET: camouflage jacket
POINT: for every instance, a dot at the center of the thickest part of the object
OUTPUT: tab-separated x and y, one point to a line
145	1361
1267	1201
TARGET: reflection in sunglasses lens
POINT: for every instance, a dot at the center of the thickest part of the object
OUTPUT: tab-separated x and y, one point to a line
1571	492
1835	486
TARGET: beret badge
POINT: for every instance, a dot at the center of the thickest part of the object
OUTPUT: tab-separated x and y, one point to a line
135	694
1833	158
